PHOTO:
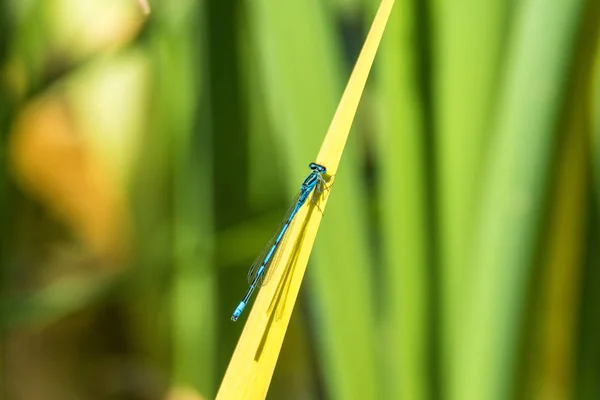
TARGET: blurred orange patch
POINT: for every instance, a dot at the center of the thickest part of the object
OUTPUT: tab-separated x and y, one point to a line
52	164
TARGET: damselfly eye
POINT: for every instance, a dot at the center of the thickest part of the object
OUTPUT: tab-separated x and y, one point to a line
317	167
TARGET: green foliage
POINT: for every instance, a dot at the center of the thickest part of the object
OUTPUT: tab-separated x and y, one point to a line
456	260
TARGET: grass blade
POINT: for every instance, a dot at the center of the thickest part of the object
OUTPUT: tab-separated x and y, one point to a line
515	182
468	41
194	290
403	202
251	367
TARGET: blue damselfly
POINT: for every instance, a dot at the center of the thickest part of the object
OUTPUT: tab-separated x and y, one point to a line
315	184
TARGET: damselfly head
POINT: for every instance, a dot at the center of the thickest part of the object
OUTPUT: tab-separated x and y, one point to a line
317	167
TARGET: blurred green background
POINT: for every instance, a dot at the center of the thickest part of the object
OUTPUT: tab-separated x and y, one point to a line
147	160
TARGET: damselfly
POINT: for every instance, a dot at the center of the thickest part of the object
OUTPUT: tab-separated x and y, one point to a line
256	275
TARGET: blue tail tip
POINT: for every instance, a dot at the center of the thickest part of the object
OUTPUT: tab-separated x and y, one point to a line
238	311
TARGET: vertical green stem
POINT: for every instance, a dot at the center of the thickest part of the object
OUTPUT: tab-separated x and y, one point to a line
515	181
467	38
402	190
